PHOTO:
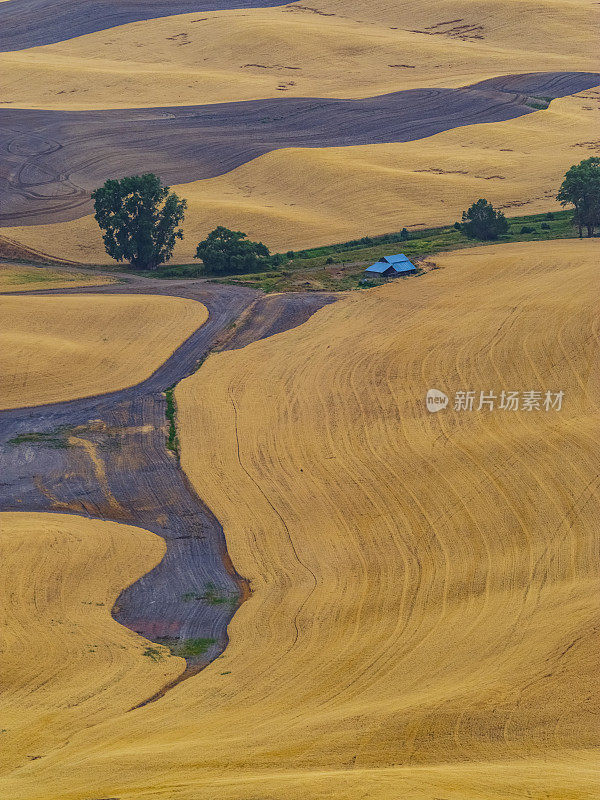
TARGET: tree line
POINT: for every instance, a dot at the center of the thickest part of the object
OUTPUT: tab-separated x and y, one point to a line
141	222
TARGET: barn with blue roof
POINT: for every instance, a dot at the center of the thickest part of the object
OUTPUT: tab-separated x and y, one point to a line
392	266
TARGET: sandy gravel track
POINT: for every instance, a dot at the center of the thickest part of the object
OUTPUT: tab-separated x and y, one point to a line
105	457
51	160
28	23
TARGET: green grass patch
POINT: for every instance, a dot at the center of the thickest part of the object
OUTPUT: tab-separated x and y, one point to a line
188	648
179	271
153	653
170	412
216	597
211	595
56	439
539	103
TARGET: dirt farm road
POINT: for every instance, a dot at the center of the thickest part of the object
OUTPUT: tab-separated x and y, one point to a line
139	481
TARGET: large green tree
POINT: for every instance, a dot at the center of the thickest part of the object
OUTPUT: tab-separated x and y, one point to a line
229	252
581	188
482	221
140	218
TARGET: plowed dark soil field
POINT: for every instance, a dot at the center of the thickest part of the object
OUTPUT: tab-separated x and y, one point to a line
51	160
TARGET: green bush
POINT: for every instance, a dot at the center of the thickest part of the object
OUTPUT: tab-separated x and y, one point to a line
226	252
528	229
482	221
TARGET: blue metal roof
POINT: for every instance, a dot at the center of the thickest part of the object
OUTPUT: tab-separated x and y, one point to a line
380	266
399	264
393	259
403	266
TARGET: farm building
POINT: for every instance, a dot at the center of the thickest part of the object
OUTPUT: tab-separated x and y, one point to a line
391	266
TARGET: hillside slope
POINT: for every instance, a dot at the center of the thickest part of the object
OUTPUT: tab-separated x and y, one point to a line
349	49
301	197
68	664
424	613
61	347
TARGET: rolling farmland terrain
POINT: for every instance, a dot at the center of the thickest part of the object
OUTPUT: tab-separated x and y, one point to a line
59	348
240	558
423	618
166	94
302	197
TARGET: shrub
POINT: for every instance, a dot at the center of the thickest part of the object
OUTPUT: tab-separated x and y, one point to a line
482	221
228	252
528	229
154	653
544	226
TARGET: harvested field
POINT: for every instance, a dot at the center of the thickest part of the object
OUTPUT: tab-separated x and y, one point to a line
27	23
17	278
106	457
68	664
292	51
424	612
46	155
301	197
62	347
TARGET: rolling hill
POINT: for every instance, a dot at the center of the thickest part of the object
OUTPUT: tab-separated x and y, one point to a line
67	346
350	49
294	198
423	618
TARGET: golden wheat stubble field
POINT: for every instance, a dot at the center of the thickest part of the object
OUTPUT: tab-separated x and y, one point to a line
61	347
423	622
336	49
296	198
66	664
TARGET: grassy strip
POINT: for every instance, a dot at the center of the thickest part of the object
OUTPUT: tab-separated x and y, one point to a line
172	439
212	595
56	439
339	267
421	242
185	648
